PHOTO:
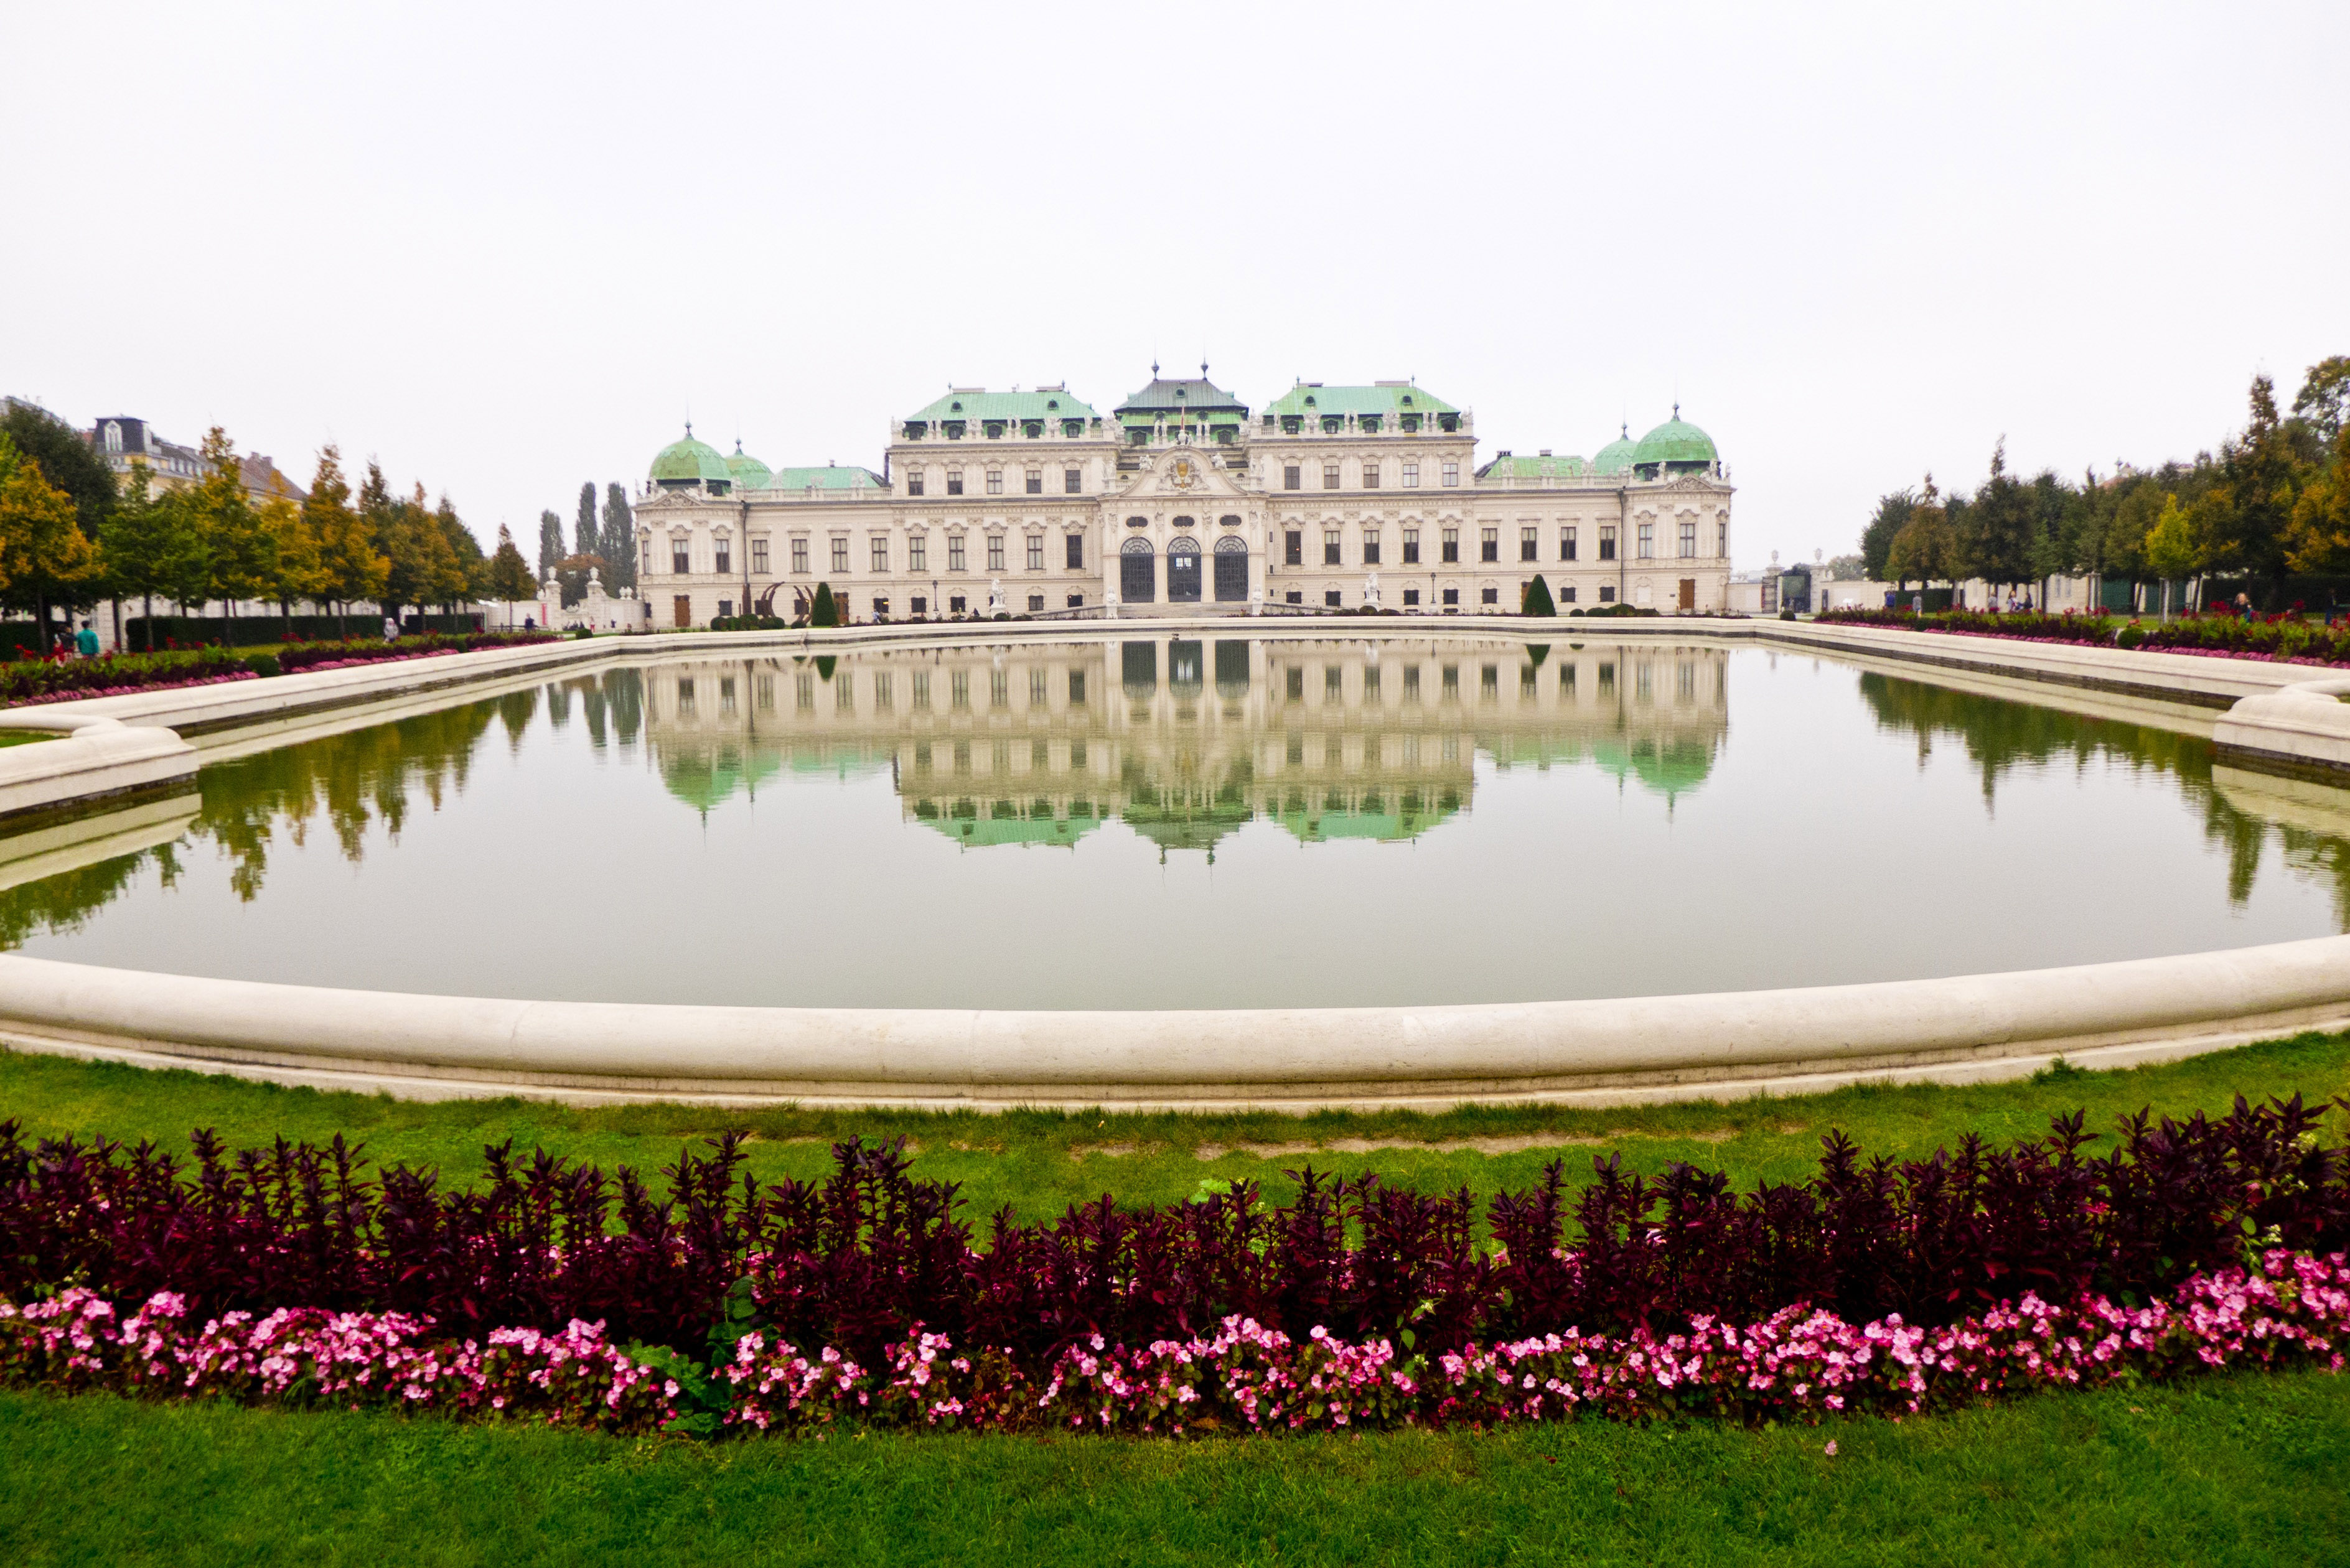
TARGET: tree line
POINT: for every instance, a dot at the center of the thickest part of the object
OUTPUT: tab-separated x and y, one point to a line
2273	502
607	545
72	537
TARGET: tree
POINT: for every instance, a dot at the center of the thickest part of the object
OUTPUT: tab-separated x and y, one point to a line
2172	549
1537	598
824	610
509	574
240	552
142	541
69	463
1994	541
2319	537
2253	503
1922	550
551	542
2324	399
43	551
1893	512
295	572
349	567
620	538
470	572
1845	569
587	534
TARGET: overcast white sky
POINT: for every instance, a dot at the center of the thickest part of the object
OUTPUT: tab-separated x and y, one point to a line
505	248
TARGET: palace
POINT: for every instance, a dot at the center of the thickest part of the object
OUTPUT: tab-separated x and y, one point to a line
1183	502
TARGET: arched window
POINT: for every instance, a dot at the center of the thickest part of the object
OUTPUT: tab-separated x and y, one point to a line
1138	572
1232	568
1183	569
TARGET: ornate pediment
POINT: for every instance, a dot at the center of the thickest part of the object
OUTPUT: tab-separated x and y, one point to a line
1181	474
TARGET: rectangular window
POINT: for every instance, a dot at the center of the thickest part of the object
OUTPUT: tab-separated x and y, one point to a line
1607	541
1370	473
1294	683
1490	596
759	557
1567	593
1489	679
884	691
726	610
999	695
1370	546
1037	559
1566	544
1411	682
1451	597
1412	476
1411	547
917	554
1721	539
880	554
1072	482
1688	537
1451	674
722	554
1330	553
1329	476
1293	553
1371	694
954	604
1035	603
914	482
1035	482
1606	596
1289	476
954	557
954	481
995	552
799	556
1294	597
803	693
996	482
1452	472
1076	692
1075	546
919	605
649	560
1410	598
764	693
1334	686
1529	544
1330	598
1038	699
678	561
840	555
923	690
882	608
1448	552
959	689
1488	545
844	693
1647	541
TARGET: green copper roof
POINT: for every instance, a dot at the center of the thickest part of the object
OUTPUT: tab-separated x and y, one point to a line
986	405
831	476
1385	398
1616	457
1671	770
748	472
1514	467
977	826
1675	440
690	461
701	775
1166	395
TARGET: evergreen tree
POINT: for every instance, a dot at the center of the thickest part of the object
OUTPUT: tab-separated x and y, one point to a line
1537	598
824	610
470	569
509	574
2248	512
551	542
620	538
587	534
1892	516
240	555
1993	535
139	540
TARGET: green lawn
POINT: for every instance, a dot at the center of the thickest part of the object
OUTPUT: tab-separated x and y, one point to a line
2247	1470
1038	1162
2232	1469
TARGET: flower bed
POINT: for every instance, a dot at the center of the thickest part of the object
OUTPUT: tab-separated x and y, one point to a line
2287	1309
2279	639
29	680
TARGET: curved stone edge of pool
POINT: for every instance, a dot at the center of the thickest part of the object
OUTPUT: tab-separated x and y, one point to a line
1724	1045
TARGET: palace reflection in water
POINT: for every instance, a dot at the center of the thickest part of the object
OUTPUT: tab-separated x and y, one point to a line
1185	740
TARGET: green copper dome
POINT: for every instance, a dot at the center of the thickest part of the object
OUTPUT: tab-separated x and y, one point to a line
1674	447
1616	457
747	471
687	463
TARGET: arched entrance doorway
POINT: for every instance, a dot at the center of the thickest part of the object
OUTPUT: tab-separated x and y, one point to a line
1183	571
1232	569
1138	572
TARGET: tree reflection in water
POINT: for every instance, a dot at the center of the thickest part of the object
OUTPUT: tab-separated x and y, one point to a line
1999	736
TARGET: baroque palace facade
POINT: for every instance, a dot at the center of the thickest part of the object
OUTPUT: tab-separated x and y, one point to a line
1182	501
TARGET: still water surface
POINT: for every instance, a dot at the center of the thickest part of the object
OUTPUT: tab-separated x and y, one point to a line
1199	823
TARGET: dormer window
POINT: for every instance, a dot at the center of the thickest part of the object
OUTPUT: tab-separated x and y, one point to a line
113	436
954	408
1052	403
1407	400
995	428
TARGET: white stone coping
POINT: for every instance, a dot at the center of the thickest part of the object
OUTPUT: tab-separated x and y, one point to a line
2307	723
1719	1045
1598	1051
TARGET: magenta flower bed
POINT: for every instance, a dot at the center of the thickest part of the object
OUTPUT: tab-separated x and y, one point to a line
77	695
2288	1309
2284	638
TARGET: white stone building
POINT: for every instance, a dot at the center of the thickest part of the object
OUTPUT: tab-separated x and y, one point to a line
1181	501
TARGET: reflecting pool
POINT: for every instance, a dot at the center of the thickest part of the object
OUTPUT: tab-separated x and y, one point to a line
1164	822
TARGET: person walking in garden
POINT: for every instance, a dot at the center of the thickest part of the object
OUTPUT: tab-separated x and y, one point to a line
390	630
2244	607
86	641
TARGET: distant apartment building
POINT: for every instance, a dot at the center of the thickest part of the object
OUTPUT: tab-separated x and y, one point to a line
122	439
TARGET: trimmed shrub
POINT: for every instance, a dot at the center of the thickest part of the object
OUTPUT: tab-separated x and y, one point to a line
1537	600
824	610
